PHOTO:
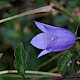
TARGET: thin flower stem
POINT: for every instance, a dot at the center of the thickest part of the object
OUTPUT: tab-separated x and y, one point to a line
30	72
58	76
38	10
4	72
78	38
76	30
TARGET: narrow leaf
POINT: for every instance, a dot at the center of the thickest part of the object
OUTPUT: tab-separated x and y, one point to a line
63	62
20	59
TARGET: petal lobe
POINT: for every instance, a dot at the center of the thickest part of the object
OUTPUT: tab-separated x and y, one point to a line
41	40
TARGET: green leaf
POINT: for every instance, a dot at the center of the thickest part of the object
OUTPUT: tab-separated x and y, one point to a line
4	4
20	59
63	62
69	71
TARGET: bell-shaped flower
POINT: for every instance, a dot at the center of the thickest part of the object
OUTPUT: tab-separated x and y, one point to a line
52	39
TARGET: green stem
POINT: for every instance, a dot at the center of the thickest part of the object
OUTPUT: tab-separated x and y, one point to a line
78	38
28	74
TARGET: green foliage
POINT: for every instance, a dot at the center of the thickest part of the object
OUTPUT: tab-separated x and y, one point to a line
1	79
4	4
40	3
11	23
63	62
60	20
20	59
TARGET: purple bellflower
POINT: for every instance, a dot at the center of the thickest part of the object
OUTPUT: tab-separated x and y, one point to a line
52	39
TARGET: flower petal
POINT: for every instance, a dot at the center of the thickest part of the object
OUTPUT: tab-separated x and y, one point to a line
60	44
61	32
41	40
41	26
43	53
